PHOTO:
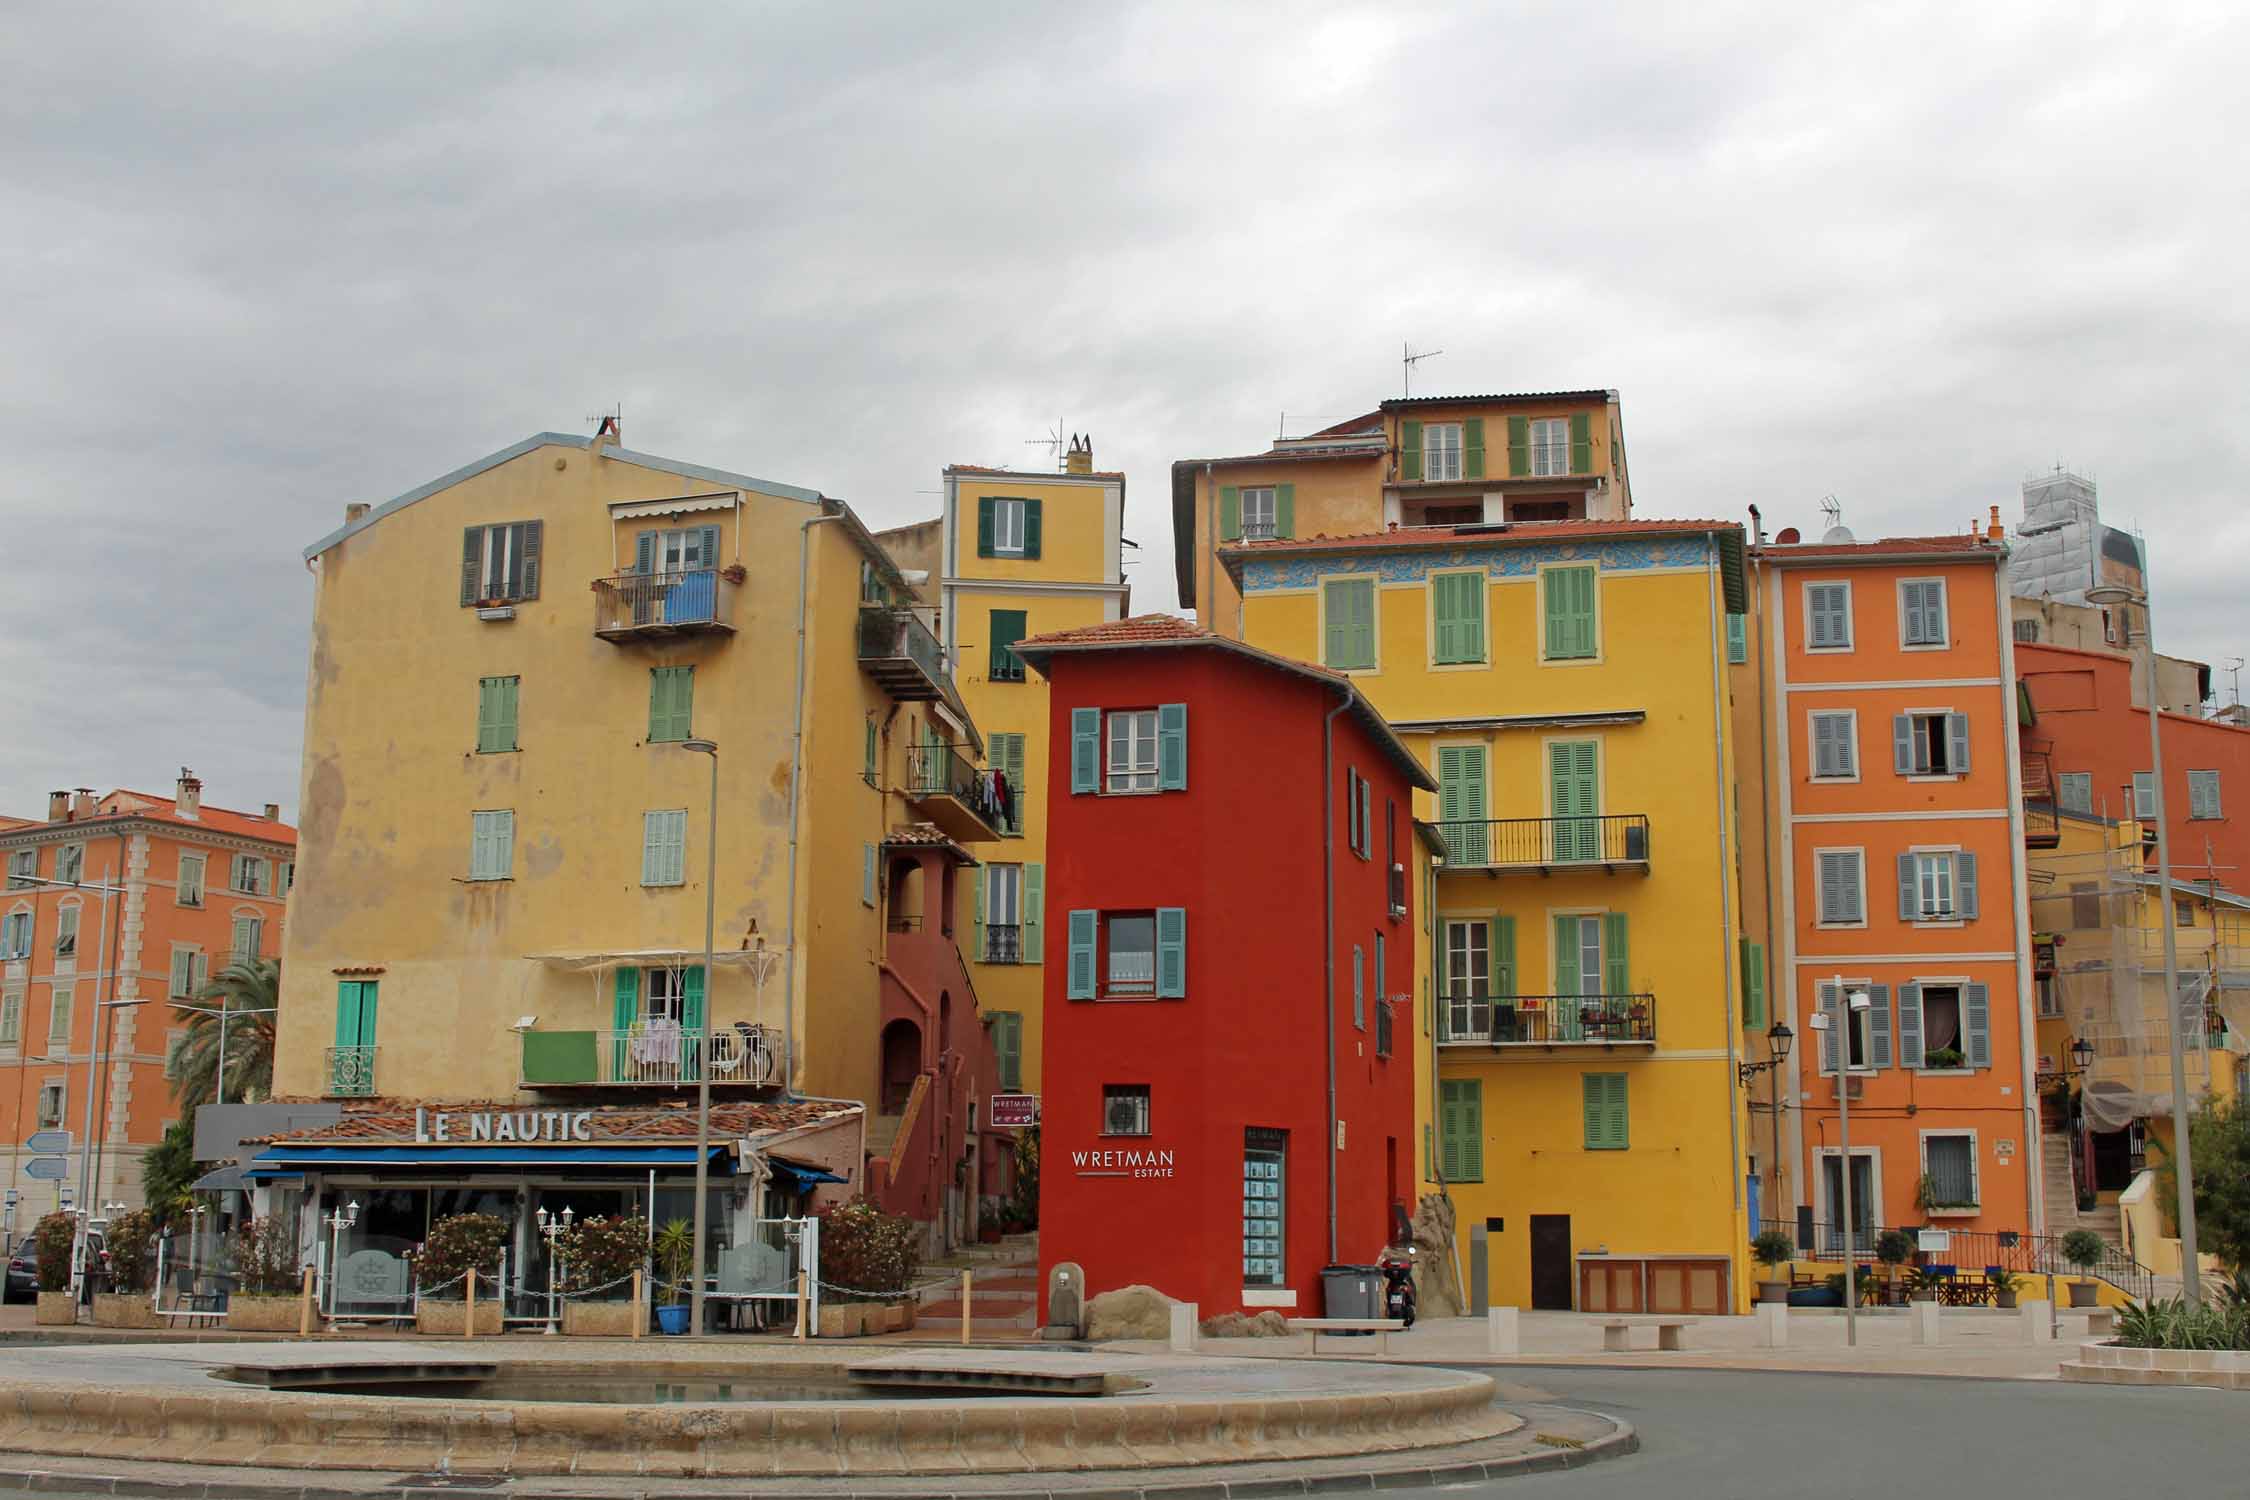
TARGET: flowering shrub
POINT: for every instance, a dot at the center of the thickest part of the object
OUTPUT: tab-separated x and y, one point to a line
596	1251
266	1262
52	1239
1023	1203
864	1250
131	1241
458	1243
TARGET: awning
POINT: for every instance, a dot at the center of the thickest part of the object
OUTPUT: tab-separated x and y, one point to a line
798	1176
642	957
280	1160
226	1179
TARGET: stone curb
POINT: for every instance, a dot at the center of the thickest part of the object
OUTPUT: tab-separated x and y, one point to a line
1616	1443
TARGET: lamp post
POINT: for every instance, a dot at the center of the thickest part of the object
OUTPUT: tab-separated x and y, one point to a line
2117	594
225	1015
86	1185
703	1037
1779	1038
551	1230
1834	1016
337	1222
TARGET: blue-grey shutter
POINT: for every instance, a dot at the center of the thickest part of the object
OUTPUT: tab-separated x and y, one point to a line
1171	952
1079	973
1825	995
866	873
1171	747
644	552
1909	899
1738	638
706	546
1957	743
1910	1026
1085	750
472	564
1976	1023
1965	885
1359	987
1902	744
1879	1025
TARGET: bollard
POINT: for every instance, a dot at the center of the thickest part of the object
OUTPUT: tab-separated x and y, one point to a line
965	1294
469	1307
1480	1270
1502	1331
1924	1316
2037	1329
640	1307
803	1290
1185	1324
1773	1325
305	1307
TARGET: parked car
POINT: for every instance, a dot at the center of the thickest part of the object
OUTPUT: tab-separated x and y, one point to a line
23	1272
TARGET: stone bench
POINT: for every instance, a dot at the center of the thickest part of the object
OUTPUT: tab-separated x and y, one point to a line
1617	1332
2101	1321
1382	1328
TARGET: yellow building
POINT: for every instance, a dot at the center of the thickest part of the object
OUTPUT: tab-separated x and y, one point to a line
536	685
1566	682
1015	555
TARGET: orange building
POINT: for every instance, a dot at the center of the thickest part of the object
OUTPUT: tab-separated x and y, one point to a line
1892	798
187	888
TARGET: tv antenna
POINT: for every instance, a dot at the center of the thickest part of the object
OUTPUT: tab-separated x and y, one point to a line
1833	509
1408	359
613	419
2234	670
1054	442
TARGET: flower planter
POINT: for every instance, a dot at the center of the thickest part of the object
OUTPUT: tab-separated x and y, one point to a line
614	1320
672	1317
439	1318
2084	1294
894	1317
251	1312
1773	1291
850	1320
124	1310
2004	1300
56	1308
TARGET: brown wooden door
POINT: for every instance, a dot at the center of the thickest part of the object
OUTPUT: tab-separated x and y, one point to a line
1550	1262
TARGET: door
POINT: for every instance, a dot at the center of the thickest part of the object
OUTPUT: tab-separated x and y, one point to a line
1863	1201
1550	1262
1573	784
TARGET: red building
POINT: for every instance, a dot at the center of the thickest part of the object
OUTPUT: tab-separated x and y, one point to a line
1212	1126
2095	747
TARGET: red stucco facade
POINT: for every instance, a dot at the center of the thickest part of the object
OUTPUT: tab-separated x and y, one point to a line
1235	1064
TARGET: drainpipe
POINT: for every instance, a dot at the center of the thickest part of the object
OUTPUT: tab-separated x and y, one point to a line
1328	934
1786	993
796	802
1725	810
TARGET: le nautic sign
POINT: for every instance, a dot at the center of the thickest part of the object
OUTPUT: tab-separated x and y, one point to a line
503	1125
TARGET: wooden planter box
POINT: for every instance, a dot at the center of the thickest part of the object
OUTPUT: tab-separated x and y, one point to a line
451	1317
253	1312
124	1310
614	1320
56	1308
851	1320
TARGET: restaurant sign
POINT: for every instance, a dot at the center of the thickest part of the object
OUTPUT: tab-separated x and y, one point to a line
503	1125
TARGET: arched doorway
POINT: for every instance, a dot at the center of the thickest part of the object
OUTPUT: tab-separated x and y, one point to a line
902	1062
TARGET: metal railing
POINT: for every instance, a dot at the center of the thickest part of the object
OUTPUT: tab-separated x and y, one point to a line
1974	1250
627	604
658	1055
351	1072
1003	943
1541	843
899	635
1260	531
1547	1020
935	769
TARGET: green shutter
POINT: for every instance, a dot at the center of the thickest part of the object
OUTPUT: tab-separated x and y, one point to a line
1568	603
1031	515
1409	451
1007	758
1230	513
1461	1129
1171	747
1519	446
1002	664
1034	905
1171	952
1738	638
496	715
1753	985
984	525
1079	975
1085	750
691	1002
1285	514
1581	445
868	767
626	1008
671	699
1503	954
1457	602
1007	1047
1574	793
1360	644
976	922
347	1013
1461	804
1617	967
1472	448
1603	1100
867	874
1359	987
1566	956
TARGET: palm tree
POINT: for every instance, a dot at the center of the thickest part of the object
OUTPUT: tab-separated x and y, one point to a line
251	985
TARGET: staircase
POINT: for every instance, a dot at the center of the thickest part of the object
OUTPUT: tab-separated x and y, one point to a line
2062	1198
1003	1290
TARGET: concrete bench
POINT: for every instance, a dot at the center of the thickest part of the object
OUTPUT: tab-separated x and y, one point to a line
2101	1320
1382	1328
1617	1332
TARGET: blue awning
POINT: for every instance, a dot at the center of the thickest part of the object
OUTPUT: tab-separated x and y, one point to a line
285	1160
797	1176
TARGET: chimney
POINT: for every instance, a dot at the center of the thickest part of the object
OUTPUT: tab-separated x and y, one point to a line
82	803
1080	458
187	797
609	434
273	812
1993	530
58	806
354	510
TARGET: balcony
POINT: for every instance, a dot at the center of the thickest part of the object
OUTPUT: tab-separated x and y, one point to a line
899	652
658	606
1546	846
351	1073
1548	1021
946	788
1003	943
650	1055
2042	824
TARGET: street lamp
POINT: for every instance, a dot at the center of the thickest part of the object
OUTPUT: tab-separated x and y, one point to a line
1834	1018
1779	1038
337	1222
223	1012
552	1229
2105	594
703	1036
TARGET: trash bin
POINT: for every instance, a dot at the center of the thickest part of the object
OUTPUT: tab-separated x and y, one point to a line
1351	1291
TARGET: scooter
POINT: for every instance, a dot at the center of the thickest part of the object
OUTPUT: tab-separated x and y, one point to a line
1398	1286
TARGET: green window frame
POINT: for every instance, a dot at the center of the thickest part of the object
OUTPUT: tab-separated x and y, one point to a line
1607	1111
671	703
1002	664
1457	633
496	715
1461	1129
1348	624
1569	603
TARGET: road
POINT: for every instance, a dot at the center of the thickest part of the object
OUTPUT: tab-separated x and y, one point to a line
1729	1435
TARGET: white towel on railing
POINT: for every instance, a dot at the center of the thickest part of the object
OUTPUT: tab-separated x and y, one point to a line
660	1042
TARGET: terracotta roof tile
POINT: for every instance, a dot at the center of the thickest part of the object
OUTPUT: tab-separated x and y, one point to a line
384	1120
1963	541
1120	632
1370	423
124	803
1450	536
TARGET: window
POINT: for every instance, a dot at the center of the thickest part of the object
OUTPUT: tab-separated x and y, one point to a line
1828	616
1868	1028
50	1105
1468	969
187	885
1005	753
1147	749
70	864
23	866
1930	744
671	703
1457	632
1835	745
249	939
1606	1111
1265	1174
1949	1170
1441	451
1347	610
1131	951
15	935
2183	912
1937	886
2027	631
1461	1129
1006	629
286	880
1359	814
2144	794
2085	905
492	845
2203	794
1003	914
1359	987
1261	513
60	1004
869	755
1007	527
1132	750
1944	1026
1007	1048
1125	1109
1921	612
1738	638
496	715
1550	445
1377	968
1135	954
248	875
1567	601
666	993
500	564
11	1019
2074	791
66	932
1839	875
1591	958
664	848
352	1070
189	968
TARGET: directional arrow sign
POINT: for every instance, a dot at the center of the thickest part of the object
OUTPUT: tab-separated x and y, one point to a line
47	1168
48	1140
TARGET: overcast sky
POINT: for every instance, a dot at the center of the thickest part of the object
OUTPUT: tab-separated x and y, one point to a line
260	260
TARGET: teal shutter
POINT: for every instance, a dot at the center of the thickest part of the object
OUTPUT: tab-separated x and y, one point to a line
1285	515
867	874
1472	448
1079	976
706	547
1566	956
1230	513
1976	1025
1031	515
1359	987
627	1007
691	1002
1085	750
1171	747
1519	446
1617	967
1503	956
1034	904
1910	1053
1171	952
1409	451
1738	638
984	526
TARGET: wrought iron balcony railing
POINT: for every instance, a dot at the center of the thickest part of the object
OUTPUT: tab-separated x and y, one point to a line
1609	841
937	773
638	606
351	1072
899	652
1548	1020
1003	943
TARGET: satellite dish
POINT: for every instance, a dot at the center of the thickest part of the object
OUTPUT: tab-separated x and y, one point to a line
1788	537
1837	536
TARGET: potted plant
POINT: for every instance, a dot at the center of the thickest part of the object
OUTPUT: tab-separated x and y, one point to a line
2003	1283
51	1241
1771	1249
2084	1249
131	1242
268	1276
1894	1248
459	1244
1922	1284
675	1263
871	1253
598	1258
